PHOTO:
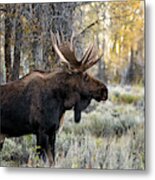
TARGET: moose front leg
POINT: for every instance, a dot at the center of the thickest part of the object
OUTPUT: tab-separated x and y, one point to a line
51	148
46	147
42	145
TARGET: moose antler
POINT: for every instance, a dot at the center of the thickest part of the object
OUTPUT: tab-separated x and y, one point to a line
66	53
55	46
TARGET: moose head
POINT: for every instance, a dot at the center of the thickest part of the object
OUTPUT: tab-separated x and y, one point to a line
82	87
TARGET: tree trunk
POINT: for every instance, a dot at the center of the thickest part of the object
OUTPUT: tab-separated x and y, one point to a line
62	18
8	34
2	61
48	55
37	38
18	44
46	17
128	75
101	65
101	70
62	14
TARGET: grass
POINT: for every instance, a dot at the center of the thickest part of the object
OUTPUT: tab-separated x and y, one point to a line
125	98
109	136
127	95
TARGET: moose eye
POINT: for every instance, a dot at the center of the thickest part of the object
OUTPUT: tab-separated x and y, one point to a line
86	78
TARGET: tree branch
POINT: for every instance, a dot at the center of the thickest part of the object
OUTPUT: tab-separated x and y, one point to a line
88	27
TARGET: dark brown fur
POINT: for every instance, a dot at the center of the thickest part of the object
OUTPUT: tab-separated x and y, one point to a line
36	103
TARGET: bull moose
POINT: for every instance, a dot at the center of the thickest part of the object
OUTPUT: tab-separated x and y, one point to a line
36	103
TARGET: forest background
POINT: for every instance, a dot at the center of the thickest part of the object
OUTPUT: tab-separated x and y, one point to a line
117	28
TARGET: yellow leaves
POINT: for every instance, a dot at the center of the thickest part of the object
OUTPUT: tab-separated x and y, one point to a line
135	46
120	26
99	142
23	20
135	3
25	24
130	29
1	33
117	48
75	163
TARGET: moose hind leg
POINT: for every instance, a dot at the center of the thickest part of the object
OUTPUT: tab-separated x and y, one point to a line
1	146
2	138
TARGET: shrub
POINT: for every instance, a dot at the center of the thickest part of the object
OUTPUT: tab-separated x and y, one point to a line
125	98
